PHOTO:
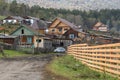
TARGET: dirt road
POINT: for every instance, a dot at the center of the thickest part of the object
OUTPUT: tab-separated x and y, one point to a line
25	68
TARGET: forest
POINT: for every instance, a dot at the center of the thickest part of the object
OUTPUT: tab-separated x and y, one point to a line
86	19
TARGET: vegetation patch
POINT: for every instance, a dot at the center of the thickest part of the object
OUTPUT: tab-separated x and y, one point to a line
72	69
13	53
2	17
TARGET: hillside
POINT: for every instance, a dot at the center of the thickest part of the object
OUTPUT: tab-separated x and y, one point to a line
74	4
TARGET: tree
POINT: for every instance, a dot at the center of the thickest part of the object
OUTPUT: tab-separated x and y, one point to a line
3	7
23	10
14	8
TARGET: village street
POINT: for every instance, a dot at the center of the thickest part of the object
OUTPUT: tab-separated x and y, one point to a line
25	68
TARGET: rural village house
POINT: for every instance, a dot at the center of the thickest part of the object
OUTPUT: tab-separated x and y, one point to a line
29	20
12	20
77	35
99	37
20	20
59	26
99	26
63	29
5	38
28	37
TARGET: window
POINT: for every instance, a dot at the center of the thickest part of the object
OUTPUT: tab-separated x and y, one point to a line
38	40
60	29
29	40
22	31
53	30
71	36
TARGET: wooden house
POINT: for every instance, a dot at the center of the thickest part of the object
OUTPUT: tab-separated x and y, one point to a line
95	37
29	20
56	32
62	29
28	37
12	20
77	35
4	38
59	26
99	26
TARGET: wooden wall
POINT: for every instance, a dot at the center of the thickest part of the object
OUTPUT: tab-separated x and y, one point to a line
104	58
7	40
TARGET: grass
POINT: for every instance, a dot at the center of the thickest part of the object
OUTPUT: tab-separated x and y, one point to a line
2	17
13	53
72	69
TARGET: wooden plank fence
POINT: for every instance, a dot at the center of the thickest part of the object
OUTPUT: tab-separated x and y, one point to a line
104	58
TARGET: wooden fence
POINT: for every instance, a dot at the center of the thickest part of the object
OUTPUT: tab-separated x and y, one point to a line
102	57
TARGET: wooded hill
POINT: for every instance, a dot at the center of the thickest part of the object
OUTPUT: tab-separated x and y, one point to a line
84	18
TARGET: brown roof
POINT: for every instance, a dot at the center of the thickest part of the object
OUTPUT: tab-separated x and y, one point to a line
99	24
66	22
74	27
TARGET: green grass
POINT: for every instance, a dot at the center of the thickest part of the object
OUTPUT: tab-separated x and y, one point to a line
74	70
2	17
13	53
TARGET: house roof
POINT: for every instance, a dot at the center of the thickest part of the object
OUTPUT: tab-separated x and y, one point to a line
14	17
104	34
68	23
8	36
76	30
99	24
39	25
30	17
71	25
35	32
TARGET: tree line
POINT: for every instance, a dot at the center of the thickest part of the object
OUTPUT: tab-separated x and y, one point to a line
83	18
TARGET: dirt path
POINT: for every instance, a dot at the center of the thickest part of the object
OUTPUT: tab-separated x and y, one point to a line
25	68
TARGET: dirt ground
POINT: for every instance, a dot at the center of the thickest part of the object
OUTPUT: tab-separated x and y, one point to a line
25	68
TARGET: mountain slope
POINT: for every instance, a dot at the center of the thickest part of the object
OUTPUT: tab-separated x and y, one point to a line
74	4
